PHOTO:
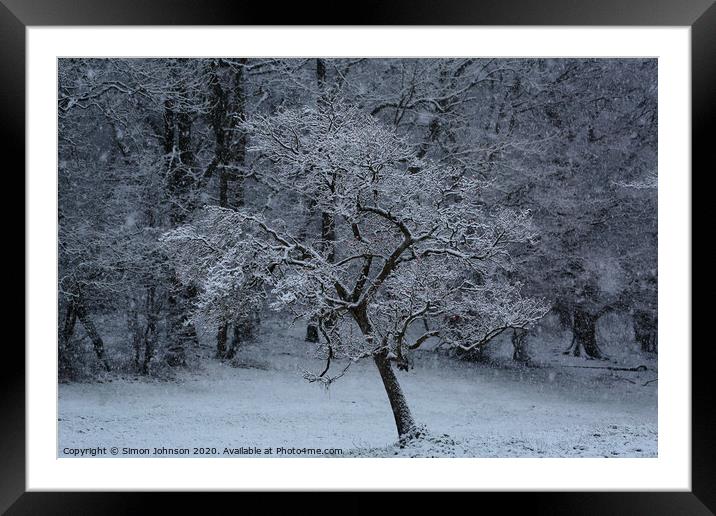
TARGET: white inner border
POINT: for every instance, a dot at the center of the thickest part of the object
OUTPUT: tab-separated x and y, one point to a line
671	470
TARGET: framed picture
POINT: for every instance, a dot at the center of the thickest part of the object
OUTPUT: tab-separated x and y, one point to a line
434	249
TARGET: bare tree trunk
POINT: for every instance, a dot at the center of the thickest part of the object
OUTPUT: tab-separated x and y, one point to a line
584	328
237	335
230	144
561	308
404	421
519	346
221	338
328	234
321	74
645	331
69	323
136	333
220	121
64	355
182	333
242	325
92	333
238	147
150	334
181	184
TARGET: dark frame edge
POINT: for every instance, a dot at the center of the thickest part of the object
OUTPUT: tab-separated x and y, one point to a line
371	12
703	113
12	138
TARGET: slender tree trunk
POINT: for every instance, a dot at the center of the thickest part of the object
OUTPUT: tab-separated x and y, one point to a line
238	147
242	325
168	120
519	346
219	122
645	331
328	237
136	334
328	234
150	334
404	422
64	355
181	330
237	335
176	216
221	338
69	324
223	188
321	75
92	333
230	143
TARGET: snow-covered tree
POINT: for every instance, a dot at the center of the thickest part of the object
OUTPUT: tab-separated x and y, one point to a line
582	155
144	144
411	242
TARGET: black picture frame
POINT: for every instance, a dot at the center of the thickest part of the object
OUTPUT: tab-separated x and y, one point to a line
16	15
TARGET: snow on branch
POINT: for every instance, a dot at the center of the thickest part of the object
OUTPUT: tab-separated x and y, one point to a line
412	240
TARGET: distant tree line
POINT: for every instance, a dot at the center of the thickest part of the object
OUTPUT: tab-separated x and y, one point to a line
194	194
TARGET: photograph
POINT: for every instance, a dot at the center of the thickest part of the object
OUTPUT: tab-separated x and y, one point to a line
357	257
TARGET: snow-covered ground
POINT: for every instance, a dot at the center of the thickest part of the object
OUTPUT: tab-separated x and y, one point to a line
473	410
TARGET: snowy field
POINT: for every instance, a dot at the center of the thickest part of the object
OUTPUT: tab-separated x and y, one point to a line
470	410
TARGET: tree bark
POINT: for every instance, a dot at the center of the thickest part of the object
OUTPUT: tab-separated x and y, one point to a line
182	333
92	333
237	335
64	355
168	140
219	122
150	334
519	346
238	147
69	324
328	235
230	146
221	338
136	334
404	422
561	308
645	331
321	74
584	328
328	232
181	183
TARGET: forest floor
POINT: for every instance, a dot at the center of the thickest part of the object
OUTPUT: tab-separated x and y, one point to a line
559	409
